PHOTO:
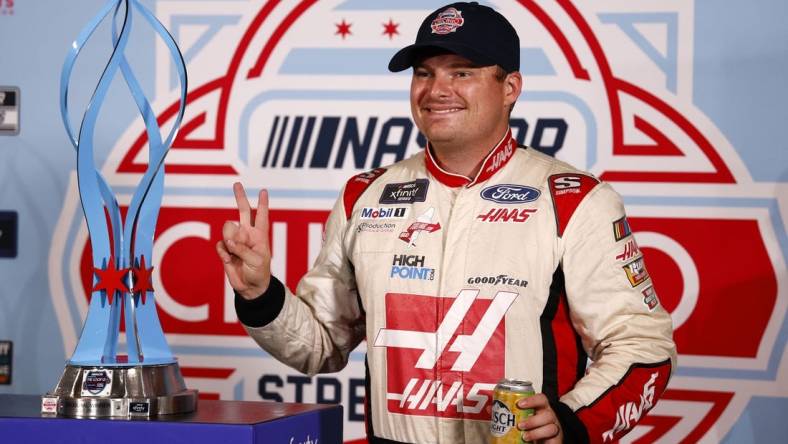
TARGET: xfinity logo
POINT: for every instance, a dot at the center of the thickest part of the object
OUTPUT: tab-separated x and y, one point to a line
384	213
408	192
510	194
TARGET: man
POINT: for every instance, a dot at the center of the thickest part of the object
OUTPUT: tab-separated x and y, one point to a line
469	262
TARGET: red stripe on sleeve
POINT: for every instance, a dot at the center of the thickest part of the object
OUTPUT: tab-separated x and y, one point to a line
568	190
621	407
356	186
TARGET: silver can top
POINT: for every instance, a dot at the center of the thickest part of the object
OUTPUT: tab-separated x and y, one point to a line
516	385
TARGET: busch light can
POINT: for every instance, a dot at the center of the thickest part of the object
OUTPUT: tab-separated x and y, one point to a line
506	414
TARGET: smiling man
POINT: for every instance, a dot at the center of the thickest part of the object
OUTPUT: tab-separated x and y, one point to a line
473	261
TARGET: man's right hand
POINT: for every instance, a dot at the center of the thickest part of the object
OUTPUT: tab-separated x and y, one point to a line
245	249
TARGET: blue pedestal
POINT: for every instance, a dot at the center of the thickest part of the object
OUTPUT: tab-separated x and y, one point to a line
236	422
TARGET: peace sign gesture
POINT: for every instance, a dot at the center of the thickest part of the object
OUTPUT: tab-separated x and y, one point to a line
245	249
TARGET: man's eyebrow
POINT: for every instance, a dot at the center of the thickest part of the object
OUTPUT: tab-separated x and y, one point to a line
454	65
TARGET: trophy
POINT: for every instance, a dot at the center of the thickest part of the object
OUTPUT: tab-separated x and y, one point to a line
97	380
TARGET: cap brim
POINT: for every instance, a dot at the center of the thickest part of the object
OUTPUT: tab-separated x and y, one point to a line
407	56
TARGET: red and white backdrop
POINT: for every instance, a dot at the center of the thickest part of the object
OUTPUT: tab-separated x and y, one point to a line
294	96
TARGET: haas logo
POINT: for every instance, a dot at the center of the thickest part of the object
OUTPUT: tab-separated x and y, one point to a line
416	344
630	412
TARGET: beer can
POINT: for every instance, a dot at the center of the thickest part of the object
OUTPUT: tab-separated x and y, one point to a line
506	414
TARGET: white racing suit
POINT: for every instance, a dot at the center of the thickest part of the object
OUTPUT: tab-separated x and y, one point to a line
524	272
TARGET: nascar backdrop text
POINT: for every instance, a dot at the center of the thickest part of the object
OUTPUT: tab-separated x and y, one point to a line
680	104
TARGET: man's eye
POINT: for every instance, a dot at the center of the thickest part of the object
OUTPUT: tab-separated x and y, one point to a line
462	74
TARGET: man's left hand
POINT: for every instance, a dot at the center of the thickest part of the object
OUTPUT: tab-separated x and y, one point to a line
543	426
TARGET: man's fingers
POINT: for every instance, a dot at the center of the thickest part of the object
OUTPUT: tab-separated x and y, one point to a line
250	258
261	218
536	401
540	419
229	268
543	424
545	432
244	209
224	255
230	230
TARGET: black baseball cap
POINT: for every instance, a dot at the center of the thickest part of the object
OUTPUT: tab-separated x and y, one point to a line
476	32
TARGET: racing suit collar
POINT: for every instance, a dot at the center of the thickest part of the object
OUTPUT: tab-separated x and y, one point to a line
495	160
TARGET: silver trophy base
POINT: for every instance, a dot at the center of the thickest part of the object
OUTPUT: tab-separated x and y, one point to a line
120	392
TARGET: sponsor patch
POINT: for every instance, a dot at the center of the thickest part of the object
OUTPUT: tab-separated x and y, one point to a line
407	192
650	298
500	156
510	194
447	21
413	338
621	228
6	361
406	266
500	279
631	250
568	191
636	272
368	177
413	230
141	408
384	213
566	185
96	382
423	223
48	404
629	414
375	227
507	215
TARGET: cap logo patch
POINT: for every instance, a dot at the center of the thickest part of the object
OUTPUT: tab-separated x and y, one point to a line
447	21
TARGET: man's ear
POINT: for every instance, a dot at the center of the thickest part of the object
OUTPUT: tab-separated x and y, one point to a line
513	86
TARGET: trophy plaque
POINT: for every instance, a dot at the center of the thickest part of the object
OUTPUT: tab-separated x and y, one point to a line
98	381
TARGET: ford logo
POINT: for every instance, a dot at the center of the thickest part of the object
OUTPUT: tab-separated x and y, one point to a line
510	194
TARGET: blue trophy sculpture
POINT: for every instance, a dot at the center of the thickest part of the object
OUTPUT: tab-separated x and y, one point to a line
97	380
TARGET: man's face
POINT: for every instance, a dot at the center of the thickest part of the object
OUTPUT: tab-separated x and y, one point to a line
455	102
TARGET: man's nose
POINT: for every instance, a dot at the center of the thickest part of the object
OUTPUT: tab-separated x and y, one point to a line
440	86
